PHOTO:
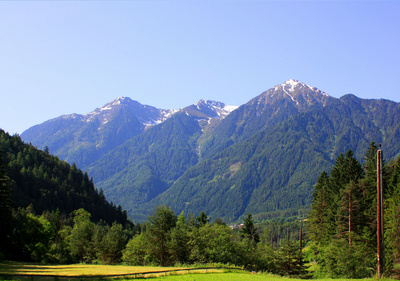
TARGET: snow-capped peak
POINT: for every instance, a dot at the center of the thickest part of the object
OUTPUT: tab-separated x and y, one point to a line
118	101
220	109
302	95
292	84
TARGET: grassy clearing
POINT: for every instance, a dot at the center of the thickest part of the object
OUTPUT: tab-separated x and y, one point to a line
15	268
35	272
241	276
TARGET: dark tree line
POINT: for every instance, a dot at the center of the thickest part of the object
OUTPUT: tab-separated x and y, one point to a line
34	182
56	238
48	183
342	222
168	239
50	211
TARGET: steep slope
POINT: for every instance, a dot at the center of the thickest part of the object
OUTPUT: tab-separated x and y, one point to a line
262	112
148	164
261	158
85	138
49	184
276	168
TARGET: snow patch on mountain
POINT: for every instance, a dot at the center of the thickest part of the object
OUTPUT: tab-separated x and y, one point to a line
294	89
299	94
290	95
215	109
291	85
147	115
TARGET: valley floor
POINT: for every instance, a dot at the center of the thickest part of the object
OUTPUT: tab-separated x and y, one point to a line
36	272
18	271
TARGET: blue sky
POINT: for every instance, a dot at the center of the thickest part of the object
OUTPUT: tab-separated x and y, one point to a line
62	57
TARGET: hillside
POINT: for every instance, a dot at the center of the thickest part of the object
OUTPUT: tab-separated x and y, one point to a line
85	138
264	111
47	183
147	165
82	139
276	169
263	157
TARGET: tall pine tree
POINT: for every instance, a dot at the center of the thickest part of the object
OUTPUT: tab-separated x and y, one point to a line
6	206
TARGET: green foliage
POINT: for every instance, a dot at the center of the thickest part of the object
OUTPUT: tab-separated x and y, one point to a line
274	169
49	184
289	260
349	261
112	245
211	243
249	230
32	237
34	181
202	219
6	206
136	252
158	232
180	237
80	239
263	158
147	165
342	222
189	242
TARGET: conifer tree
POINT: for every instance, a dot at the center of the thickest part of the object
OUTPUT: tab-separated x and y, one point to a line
320	221
6	206
202	219
158	232
81	237
349	213
179	243
249	230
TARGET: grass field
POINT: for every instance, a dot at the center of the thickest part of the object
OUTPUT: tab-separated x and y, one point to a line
231	276
81	270
34	272
240	276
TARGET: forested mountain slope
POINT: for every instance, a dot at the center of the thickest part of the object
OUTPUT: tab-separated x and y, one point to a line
277	167
147	165
82	139
263	157
47	183
263	112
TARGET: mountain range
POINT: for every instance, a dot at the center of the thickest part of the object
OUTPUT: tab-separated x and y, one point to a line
262	157
82	139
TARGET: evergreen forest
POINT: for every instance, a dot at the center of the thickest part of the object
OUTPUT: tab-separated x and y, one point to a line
35	182
342	224
52	213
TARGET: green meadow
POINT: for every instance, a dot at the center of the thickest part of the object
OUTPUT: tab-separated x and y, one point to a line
17	270
35	272
238	276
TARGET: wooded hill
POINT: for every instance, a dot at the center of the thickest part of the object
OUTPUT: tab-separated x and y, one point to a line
276	168
263	158
45	183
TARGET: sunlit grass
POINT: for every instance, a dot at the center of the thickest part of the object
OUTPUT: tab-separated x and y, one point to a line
130	272
242	276
76	269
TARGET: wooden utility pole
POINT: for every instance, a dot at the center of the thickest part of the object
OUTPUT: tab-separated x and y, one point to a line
379	213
